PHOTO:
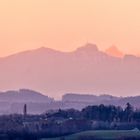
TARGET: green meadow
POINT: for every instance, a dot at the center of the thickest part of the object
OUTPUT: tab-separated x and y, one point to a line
101	134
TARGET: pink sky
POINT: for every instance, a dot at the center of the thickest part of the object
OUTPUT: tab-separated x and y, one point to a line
67	24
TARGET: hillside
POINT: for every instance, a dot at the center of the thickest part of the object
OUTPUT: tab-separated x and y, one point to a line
37	103
24	95
13	101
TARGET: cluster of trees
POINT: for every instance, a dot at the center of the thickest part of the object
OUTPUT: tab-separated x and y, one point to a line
63	122
109	113
101	113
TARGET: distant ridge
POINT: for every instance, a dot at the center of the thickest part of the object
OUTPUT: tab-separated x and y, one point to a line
81	100
87	69
13	101
24	95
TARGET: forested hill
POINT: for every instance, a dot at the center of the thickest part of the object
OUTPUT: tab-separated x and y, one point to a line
37	103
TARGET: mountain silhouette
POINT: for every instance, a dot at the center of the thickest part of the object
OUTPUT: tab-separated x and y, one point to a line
85	70
24	96
114	51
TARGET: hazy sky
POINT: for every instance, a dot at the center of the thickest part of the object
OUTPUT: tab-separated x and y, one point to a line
67	24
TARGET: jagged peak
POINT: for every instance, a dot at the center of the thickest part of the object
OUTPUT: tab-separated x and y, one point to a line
114	51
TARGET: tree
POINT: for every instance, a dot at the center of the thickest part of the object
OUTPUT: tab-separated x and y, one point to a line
129	110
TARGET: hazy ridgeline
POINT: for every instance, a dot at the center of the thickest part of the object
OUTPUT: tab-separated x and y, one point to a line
85	70
37	103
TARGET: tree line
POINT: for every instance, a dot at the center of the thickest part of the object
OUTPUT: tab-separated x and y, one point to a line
101	112
62	122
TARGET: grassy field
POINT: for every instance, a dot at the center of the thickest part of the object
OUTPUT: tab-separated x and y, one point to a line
109	135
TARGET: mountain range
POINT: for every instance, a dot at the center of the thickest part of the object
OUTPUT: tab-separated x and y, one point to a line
85	70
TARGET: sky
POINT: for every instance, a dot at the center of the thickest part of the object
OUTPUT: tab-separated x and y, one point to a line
67	24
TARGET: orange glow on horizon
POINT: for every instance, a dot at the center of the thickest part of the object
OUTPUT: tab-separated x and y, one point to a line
67	24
